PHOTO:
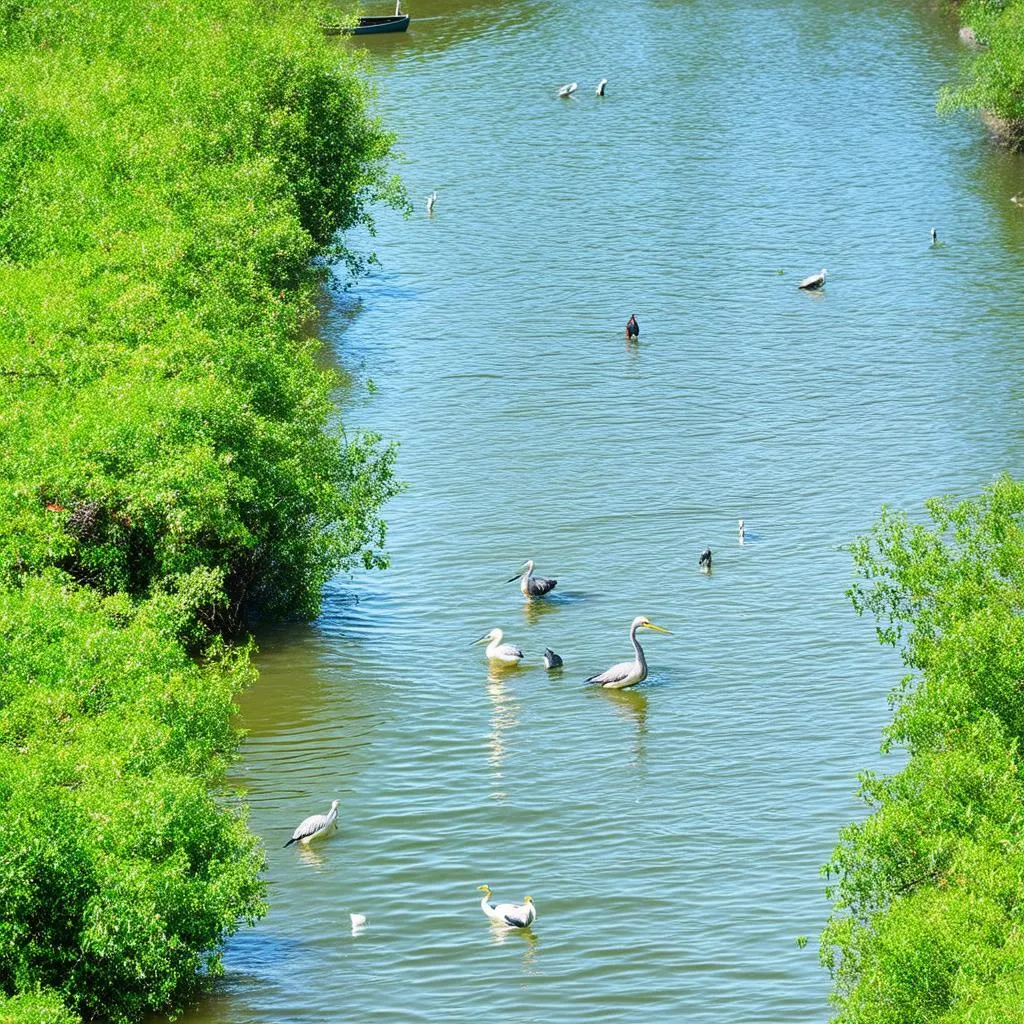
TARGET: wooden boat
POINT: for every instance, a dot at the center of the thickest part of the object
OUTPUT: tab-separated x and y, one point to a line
397	22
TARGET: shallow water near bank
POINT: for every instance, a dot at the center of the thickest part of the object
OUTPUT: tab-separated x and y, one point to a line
670	835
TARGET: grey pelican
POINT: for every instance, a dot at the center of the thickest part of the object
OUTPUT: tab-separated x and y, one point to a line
315	826
551	660
506	654
704	562
431	199
629	673
567	90
599	91
515	915
530	585
814	282
632	327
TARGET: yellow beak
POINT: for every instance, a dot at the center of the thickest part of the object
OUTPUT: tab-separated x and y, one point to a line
660	629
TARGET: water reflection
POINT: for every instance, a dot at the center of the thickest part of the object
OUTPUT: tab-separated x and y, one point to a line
501	933
504	717
311	856
534	611
632	706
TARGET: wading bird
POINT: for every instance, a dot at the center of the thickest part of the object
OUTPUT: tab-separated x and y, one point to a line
599	91
814	282
551	660
515	915
506	654
632	327
628	673
567	90
431	199
704	562
530	585
315	826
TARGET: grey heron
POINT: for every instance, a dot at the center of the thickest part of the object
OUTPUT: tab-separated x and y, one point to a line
315	825
530	585
567	90
551	660
632	327
599	91
515	915
814	282
506	654
431	199
704	562
629	673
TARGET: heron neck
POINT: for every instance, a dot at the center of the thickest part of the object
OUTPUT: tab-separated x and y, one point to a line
637	649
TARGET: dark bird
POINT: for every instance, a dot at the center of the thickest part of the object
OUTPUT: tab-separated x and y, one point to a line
632	328
530	585
935	237
551	660
704	562
600	87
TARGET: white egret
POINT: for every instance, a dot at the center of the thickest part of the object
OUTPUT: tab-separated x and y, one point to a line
567	90
315	825
599	91
629	673
551	660
505	654
530	585
515	915
814	282
704	562
431	199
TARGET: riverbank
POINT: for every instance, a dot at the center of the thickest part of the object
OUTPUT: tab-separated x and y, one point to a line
174	178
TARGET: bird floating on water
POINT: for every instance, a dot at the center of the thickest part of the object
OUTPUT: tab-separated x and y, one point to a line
551	660
358	920
742	531
507	654
632	327
814	282
629	673
515	915
704	562
431	199
935	237
530	585
1017	200
567	90
599	91
315	825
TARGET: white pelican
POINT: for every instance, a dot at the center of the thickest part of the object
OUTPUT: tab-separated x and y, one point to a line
315	826
530	585
629	673
599	91
814	282
567	90
431	199
742	531
506	654
632	328
704	562
551	660
516	915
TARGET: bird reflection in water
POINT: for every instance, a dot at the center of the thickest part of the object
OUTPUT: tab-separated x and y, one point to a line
534	611
632	706
504	717
311	856
501	933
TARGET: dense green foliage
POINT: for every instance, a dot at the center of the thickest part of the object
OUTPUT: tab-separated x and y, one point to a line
173	178
929	890
994	79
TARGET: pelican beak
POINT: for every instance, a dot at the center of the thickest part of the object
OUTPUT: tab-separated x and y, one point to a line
486	636
514	578
660	629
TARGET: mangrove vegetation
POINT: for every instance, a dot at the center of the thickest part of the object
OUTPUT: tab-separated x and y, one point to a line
174	175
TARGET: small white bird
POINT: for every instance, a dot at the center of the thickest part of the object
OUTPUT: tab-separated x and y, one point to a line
315	825
358	920
515	915
431	199
599	91
814	282
506	654
567	90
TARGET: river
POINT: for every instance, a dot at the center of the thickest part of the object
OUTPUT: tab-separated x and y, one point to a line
671	835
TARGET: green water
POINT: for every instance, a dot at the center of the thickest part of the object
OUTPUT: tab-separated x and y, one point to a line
671	835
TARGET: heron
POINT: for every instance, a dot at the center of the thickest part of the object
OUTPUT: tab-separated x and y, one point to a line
515	915
551	660
506	654
704	562
530	585
567	90
431	199
599	91
742	531
814	282
935	237
315	825
629	673
632	327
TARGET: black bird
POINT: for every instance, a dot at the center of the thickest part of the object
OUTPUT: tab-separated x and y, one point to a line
551	660
632	328
704	562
